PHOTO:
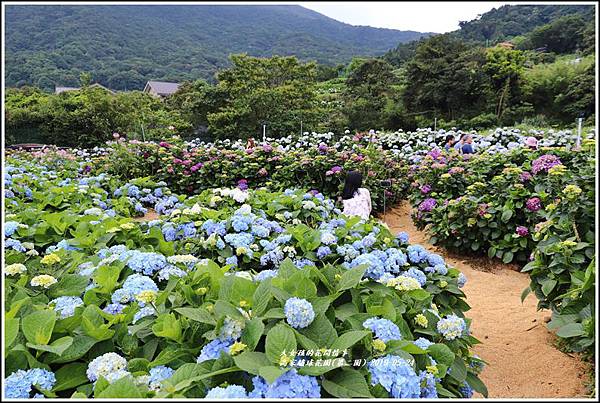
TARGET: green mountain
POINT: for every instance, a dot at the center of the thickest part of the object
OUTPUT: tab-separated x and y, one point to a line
124	46
501	24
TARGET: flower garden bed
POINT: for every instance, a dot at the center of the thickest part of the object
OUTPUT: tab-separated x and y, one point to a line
230	293
537	210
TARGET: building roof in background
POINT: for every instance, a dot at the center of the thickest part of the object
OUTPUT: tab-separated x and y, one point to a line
162	87
58	90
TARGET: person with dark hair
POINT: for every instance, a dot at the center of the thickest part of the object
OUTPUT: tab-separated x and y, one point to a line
356	199
449	142
467	148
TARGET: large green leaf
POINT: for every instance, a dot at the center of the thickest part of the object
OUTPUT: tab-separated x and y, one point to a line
38	326
252	333
168	326
280	339
571	330
197	314
351	278
347	383
122	388
349	339
251	361
11	330
70	376
441	354
57	347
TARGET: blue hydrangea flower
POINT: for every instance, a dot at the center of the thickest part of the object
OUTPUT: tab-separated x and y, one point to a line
114	309
368	241
462	280
212	350
396	375
265	274
159	374
402	237
169	232
300	263
417	253
328	238
189	230
15	244
132	286
142	313
289	385
466	390
441	269
451	327
384	329
133	191
428	381
146	262
63	244
65	306
323	251
395	260
230	392
434	259
375	267
232	260
299	313
111	366
231	329
170	270
417	275
18	384
243	239
10	227
422	343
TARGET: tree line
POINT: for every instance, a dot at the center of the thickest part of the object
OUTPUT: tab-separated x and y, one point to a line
447	79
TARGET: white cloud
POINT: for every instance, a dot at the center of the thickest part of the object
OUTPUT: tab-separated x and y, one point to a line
415	16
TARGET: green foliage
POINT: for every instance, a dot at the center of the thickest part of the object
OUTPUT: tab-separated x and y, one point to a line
125	47
567	83
483	203
278	91
87	117
563	35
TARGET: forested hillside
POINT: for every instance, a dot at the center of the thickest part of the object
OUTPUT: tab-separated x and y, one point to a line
124	46
519	23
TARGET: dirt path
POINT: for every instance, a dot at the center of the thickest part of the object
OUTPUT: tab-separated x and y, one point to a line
522	361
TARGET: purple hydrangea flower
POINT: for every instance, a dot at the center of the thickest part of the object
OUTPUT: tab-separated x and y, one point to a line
427	204
533	204
522	231
544	163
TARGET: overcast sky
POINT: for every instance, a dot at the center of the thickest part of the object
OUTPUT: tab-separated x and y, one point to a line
415	16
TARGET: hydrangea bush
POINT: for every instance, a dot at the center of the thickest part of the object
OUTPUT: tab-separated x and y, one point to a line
536	210
231	293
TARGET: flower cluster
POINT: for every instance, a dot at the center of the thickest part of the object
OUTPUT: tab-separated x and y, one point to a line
396	375
384	329
288	385
110	366
299	312
451	327
18	385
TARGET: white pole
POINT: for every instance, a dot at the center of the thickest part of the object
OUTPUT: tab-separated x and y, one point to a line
301	132
264	133
579	123
434	124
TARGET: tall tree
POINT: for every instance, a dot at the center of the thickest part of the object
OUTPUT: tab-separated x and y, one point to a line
278	91
368	88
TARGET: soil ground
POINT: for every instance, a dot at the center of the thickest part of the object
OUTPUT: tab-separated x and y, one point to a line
519	349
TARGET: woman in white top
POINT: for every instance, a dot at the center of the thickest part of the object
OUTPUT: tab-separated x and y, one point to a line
357	200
